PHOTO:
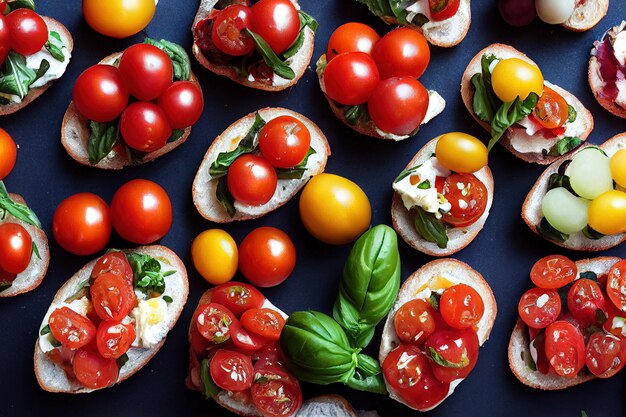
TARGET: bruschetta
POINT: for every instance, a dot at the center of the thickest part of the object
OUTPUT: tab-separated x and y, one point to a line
108	320
250	144
579	201
534	119
586	15
423	361
263	50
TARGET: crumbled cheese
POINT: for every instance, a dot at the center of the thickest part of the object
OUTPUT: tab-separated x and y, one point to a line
428	199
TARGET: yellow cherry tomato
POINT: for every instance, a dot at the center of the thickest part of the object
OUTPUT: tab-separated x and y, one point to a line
118	18
460	152
215	256
8	154
514	77
618	167
607	213
334	209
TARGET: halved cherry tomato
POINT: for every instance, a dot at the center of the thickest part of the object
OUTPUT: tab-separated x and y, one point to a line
147	71
553	272
270	355
8	148
112	297
245	340
584	299
616	285
70	328
415	321
144	127
237	297
277	22
231	370
5	38
182	103
538	340
28	31
228	34
115	263
267	257
264	322
551	110
539	307
114	338
214	322
565	348
94	371
251	180
16	247
351	78
275	392
351	37
284	141
100	93
408	373
401	52
461	306
606	354
454	353
443	9
468	197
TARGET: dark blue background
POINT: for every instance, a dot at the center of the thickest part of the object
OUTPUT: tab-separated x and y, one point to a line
504	252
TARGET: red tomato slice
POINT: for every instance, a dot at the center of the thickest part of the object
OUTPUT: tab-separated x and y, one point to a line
94	371
539	307
551	111
461	306
228	28
538	340
443	9
275	392
115	263
584	300
553	272
565	348
606	354
112	297
454	353
246	340
415	321
231	370
264	322
214	322
616	285
70	328
63	358
113	339
271	355
468	197
237	297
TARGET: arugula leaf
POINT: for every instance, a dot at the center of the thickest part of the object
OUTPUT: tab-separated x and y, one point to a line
564	145
305	20
17	77
101	140
430	228
176	134
148	276
296	172
510	113
225	197
55	46
17	210
546	230
571	113
441	361
591	233
180	59
274	62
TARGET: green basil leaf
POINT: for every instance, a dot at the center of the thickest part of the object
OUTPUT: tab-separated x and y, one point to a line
209	390
591	233
17	77
355	113
510	113
420	20
180	59
45	330
424	185
55	343
380	8
305	21
121	361
601	317
434	301
176	135
21	4
297	171
17	210
564	145
571	113
405	173
5	285
148	277
225	197
368	383
430	228
583	413
168	299
546	230
279	67
55	46
35	250
441	361
102	139
481	104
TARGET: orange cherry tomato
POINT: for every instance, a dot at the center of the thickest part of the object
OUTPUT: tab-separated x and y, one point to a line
8	154
551	110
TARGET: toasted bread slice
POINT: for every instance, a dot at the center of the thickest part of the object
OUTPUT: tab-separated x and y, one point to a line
298	63
532	213
75	134
204	188
516	139
34	93
326	406
586	15
52	378
36	270
459	237
458	273
519	345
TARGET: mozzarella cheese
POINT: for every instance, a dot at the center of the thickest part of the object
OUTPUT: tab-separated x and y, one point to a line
150	322
428	199
81	306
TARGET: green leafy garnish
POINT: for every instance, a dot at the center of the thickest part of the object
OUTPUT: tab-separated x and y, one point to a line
296	172
121	361
168	299
590	233
55	46
434	301
430	228
546	230
35	250
180	59
148	276
571	113
441	361
510	113
405	173
589	275
557	180
225	197
485	101
17	210
17	77
305	20
45	330
20	4
424	185
210	389
355	113
271	59
564	145
176	134
101	140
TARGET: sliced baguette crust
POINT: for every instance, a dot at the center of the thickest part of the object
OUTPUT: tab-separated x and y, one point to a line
75	134
459	237
457	272
204	188
53	379
326	406
586	15
519	345
532	214
298	63
37	268
467	93
33	94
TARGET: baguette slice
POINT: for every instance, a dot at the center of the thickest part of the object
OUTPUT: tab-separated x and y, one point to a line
36	270
532	214
75	134
459	237
330	405
53	379
519	345
298	63
34	93
517	133
455	271
204	188
586	15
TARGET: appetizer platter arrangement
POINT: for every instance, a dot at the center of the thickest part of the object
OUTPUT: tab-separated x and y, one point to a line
297	208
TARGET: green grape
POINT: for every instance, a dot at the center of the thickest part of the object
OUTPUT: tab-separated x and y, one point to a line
590	173
564	211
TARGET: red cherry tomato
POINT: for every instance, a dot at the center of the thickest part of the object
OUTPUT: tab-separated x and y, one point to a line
8	148
237	297
461	306
606	354
616	285
276	393
70	328
584	299
402	52
244	340
231	370
144	127
351	37
28	31
408	373
114	338
351	78
443	9
182	104
141	211
114	263
553	272
284	141
277	22
112	297
16	247
565	348
147	71
228	33
214	322
100	93
264	322
468	197
252	180
5	38
538	340
94	371
82	224
267	257
415	321
539	307
398	105
454	353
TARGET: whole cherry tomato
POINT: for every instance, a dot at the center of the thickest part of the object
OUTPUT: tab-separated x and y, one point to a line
182	103
277	22
5	38
100	93
228	33
402	52
267	257
28	31
284	141
16	247
351	37
147	71
144	127
251	180
351	78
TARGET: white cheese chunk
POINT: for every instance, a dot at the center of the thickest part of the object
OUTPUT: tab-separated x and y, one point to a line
428	199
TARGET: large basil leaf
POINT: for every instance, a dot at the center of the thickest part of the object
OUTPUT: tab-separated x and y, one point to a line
430	228
510	113
101	140
17	77
17	210
180	59
55	46
485	102
369	284
296	172
305	20
271	59
393	8
564	145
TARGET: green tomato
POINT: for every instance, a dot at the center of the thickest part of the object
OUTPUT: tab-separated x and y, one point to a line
564	211
590	173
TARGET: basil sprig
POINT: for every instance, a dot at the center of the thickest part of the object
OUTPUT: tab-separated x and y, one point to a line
430	228
510	113
17	210
148	276
564	145
485	101
17	77
305	21
102	139
269	56
54	45
225	197
180	59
